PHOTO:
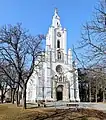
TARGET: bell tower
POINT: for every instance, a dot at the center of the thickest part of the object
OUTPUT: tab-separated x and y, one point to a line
56	38
59	81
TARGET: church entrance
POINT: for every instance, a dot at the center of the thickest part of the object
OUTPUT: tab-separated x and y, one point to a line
59	92
59	96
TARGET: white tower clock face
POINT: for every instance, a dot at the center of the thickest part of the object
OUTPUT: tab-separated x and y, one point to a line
58	34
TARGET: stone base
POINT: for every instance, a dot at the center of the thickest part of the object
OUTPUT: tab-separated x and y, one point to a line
51	100
30	101
72	100
77	100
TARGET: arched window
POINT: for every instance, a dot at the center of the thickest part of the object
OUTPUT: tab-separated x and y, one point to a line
58	43
59	55
58	24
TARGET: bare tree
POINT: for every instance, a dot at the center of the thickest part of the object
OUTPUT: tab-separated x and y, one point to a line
93	45
94	37
3	87
7	70
19	49
92	82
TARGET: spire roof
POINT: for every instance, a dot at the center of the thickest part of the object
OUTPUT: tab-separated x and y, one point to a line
56	11
56	19
56	14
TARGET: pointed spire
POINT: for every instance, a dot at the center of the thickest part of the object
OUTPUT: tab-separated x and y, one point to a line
56	19
56	11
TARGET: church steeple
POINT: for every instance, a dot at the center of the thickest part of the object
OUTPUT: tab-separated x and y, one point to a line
56	11
56	38
56	19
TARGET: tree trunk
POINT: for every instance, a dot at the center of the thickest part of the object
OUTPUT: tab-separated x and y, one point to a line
2	96
89	91
96	94
13	94
17	95
85	96
17	98
103	96
24	96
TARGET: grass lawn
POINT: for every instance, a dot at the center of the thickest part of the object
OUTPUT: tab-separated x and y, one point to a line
11	112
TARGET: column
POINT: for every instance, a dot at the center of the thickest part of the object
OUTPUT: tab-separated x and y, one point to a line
54	90
72	88
77	86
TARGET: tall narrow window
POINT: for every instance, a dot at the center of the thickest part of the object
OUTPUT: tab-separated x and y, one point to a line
59	55
58	43
57	24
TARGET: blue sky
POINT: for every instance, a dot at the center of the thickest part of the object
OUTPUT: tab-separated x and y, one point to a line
36	15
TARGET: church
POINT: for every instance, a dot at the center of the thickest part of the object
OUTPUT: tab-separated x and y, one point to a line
56	78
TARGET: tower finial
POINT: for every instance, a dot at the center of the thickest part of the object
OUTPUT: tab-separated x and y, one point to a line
56	11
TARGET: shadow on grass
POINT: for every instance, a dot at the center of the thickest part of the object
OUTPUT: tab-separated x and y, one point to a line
60	115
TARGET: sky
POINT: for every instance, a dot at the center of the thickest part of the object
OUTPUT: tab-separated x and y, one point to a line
36	15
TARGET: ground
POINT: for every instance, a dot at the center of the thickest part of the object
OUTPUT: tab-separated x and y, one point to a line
11	112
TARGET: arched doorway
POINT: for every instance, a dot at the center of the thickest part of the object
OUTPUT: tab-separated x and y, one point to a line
59	92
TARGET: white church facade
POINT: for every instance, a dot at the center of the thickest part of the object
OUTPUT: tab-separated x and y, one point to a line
56	78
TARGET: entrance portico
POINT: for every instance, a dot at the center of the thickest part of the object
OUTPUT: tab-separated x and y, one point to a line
61	91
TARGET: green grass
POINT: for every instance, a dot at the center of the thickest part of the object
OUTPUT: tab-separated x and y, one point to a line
11	112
